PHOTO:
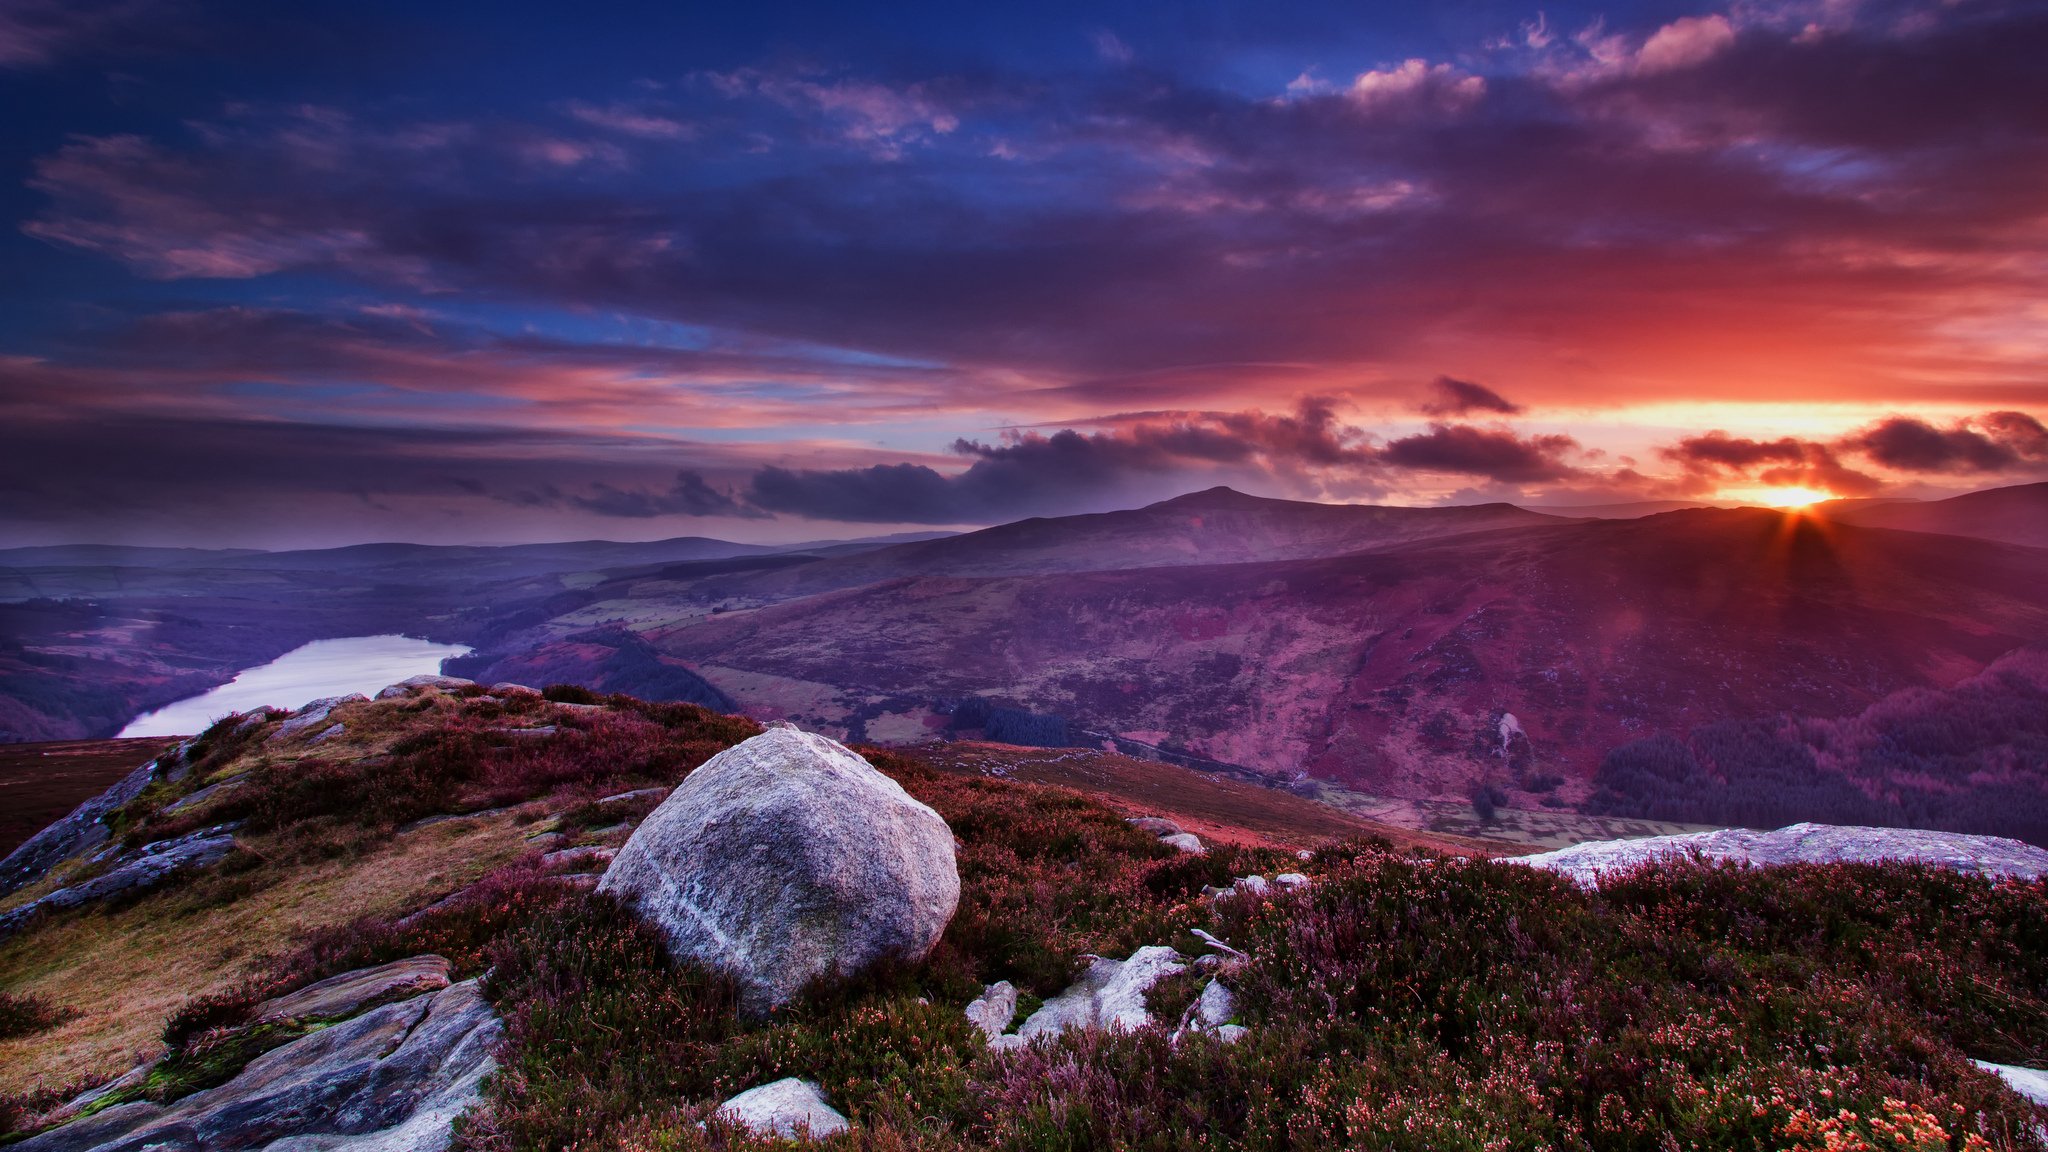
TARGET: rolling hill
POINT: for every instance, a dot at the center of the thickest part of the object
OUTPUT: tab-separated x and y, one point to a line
2015	515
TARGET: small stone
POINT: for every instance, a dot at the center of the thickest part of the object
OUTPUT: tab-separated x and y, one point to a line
1291	880
785	1109
993	1012
1252	886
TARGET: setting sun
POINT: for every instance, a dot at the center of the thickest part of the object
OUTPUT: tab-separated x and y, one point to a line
1778	497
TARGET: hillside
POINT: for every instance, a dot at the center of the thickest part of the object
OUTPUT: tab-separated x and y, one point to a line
1390	671
2015	515
423	877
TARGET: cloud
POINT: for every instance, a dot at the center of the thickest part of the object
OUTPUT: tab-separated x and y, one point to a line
1110	47
40	33
1417	83
1494	453
1717	460
688	496
1685	42
1994	442
1450	397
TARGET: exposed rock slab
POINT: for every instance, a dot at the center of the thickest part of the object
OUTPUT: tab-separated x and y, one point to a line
149	866
1993	856
313	715
348	993
391	1080
786	858
408	686
76	834
785	1109
2029	1082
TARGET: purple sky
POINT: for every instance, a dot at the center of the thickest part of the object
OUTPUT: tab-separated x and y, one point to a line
498	273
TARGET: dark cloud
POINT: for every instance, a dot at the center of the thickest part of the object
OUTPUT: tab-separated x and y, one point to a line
1717	460
1450	397
1994	442
688	496
1496	454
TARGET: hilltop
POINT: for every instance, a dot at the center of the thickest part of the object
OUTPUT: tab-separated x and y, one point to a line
383	855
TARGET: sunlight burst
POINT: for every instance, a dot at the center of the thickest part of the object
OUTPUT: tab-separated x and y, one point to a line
1791	497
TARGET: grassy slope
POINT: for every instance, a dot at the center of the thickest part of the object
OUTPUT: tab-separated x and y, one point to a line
1407	1000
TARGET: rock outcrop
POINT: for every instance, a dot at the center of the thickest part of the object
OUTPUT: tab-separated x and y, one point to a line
139	871
313	715
1802	844
788	857
784	1109
407	687
351	992
2031	1083
84	829
390	1080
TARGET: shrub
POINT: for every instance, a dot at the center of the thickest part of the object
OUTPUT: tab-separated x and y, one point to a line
22	1015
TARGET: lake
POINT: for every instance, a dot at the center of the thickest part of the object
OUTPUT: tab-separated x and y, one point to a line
323	668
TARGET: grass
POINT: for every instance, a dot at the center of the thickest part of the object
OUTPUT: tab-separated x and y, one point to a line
1406	1000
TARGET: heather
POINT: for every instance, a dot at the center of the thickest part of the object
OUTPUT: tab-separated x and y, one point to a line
1405	999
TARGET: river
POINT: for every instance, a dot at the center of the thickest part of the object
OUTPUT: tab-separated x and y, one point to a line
309	672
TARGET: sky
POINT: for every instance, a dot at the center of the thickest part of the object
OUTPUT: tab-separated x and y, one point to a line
320	273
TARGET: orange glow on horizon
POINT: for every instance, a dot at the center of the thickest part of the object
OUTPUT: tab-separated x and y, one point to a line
1787	498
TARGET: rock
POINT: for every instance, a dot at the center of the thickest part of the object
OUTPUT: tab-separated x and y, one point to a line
507	688
348	993
313	715
1156	825
391	1080
2029	1082
542	730
1110	995
328	733
1992	856
786	858
151	865
1291	880
73	836
1209	1014
996	1008
1186	842
786	1109
408	686
1205	937
636	794
1232	1033
583	854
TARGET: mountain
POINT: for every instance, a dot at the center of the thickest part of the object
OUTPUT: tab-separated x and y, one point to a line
2015	515
1217	526
1627	511
1390	670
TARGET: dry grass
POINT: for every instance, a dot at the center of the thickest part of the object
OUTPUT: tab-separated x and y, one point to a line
126	972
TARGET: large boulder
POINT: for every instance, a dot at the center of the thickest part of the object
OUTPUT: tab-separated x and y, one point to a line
1992	856
786	858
